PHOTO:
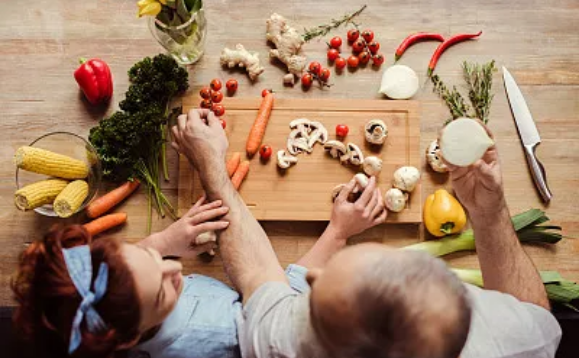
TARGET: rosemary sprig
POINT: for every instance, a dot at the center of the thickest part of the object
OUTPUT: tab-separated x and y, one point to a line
452	98
323	30
479	79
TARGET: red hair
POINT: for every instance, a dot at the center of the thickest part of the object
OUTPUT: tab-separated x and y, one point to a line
48	300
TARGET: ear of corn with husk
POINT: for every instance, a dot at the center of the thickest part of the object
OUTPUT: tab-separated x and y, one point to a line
71	198
45	162
37	194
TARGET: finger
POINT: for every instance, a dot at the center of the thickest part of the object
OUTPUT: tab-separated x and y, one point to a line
203	112
195	208
200	208
181	123
211	205
379	204
213	120
368	192
194	117
203	216
212	225
371	205
346	191
201	200
175	146
381	218
176	133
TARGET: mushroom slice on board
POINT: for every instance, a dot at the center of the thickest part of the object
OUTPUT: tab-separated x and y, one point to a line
318	134
336	148
284	161
296	143
372	165
376	131
303	125
356	155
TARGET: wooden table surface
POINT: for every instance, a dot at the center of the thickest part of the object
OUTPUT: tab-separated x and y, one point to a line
538	41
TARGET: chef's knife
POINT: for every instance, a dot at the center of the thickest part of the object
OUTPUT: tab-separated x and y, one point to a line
528	133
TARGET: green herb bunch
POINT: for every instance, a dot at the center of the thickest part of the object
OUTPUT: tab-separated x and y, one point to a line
132	141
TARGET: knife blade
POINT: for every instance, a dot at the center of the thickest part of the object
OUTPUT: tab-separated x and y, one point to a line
528	132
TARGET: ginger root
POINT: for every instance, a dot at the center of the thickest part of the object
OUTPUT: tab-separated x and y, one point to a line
288	43
242	58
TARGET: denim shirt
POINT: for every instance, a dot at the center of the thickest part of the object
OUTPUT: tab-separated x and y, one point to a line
204	321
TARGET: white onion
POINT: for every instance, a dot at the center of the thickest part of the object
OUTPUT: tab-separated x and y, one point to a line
464	141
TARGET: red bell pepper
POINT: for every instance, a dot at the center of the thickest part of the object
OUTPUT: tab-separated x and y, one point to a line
95	80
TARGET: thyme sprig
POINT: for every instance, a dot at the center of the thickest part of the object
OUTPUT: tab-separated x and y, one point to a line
323	30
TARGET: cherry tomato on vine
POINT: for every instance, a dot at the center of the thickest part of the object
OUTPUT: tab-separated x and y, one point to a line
223	123
315	67
353	35
377	60
340	63
307	80
342	130
216	96
265	92
333	54
205	93
368	35
325	74
359	45
336	42
353	61
364	57
218	109
231	86
216	84
373	47
265	152
206	103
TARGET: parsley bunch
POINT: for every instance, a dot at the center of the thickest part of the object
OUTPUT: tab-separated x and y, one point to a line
131	142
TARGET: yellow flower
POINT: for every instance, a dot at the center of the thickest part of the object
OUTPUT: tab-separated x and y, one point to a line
150	7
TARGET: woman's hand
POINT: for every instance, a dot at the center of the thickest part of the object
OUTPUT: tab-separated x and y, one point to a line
349	219
180	239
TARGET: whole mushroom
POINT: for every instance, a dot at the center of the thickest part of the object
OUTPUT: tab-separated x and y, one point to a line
362	182
376	131
433	157
395	200
372	165
406	178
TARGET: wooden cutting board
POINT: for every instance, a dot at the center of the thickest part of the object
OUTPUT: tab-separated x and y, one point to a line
303	192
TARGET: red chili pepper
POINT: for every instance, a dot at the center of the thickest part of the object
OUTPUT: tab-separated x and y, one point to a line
95	80
446	44
414	38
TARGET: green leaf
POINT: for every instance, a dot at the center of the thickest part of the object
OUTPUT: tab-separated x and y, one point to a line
182	11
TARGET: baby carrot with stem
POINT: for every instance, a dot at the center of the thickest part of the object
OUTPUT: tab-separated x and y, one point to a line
104	223
233	163
258	129
111	199
240	174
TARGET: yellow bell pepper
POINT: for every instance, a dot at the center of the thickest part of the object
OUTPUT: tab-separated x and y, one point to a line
443	214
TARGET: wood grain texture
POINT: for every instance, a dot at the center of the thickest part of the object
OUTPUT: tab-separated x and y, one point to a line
303	191
538	41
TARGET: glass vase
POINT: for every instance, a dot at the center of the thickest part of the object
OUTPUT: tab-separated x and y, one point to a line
185	42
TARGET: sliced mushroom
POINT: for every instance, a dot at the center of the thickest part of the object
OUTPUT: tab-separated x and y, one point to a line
284	161
376	131
361	182
406	178
318	134
356	155
303	125
395	200
296	143
336	148
433	158
372	165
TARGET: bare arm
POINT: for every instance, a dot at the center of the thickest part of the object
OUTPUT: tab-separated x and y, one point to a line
248	256
504	264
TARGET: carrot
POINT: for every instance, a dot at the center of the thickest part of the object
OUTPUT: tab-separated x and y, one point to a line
111	199
240	174
233	163
258	129
105	222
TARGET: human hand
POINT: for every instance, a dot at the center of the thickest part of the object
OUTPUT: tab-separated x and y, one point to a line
179	239
199	136
349	219
479	187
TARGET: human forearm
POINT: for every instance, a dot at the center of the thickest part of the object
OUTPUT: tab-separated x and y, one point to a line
248	256
327	245
504	264
155	241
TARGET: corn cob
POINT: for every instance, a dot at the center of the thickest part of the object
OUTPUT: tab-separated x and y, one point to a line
45	162
37	194
71	198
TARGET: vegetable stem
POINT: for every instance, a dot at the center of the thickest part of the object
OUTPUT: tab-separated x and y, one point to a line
323	30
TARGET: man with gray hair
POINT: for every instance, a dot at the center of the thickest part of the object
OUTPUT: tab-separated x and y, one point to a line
369	300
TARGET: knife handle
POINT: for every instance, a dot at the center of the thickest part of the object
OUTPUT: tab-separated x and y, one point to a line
538	172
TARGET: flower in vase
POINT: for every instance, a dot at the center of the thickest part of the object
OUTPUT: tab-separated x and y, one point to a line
150	7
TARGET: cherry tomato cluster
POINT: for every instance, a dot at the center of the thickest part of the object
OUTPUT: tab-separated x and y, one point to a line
364	49
316	72
212	97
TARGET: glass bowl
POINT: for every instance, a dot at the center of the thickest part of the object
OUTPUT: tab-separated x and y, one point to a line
73	146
